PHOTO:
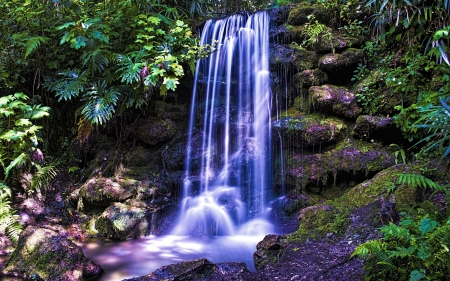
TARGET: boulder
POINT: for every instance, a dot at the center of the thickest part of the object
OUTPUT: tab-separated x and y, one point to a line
376	127
348	156
299	14
103	191
200	269
44	254
153	130
311	130
303	59
121	221
310	77
341	66
334	99
269	250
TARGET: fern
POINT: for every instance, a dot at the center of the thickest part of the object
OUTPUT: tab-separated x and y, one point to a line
9	221
96	60
417	181
33	43
42	177
130	66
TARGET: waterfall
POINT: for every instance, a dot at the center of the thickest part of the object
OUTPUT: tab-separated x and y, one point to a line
228	171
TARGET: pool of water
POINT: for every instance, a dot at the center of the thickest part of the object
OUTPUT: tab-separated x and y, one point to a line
139	257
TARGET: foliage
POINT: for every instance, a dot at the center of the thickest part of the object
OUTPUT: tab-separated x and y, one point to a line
316	32
9	221
416	249
18	135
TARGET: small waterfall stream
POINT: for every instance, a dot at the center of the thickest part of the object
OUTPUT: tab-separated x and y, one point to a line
228	163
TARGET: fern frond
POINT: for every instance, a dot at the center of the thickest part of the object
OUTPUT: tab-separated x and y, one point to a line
402	252
392	231
43	176
415	180
33	43
130	66
9	221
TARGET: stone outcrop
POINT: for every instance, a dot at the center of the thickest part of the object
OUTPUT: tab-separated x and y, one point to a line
104	191
336	100
269	250
45	255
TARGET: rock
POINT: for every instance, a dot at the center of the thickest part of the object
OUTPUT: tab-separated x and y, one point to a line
299	14
338	100
153	130
304	60
44	254
310	77
311	130
104	191
269	250
339	42
340	67
137	157
200	269
348	156
280	54
376	127
121	221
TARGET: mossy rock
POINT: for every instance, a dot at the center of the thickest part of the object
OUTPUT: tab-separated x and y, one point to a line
322	221
403	196
310	77
44	253
280	54
313	130
299	14
269	250
153	130
303	59
121	221
347	156
102	191
376	127
137	156
335	99
341	66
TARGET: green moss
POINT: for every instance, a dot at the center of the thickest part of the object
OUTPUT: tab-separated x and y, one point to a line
320	222
88	227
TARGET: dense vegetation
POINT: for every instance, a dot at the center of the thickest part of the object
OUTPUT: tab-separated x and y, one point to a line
68	67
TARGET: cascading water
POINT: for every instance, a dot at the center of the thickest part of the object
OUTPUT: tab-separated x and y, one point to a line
228	163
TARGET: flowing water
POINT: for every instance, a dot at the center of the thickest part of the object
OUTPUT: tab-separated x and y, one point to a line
228	169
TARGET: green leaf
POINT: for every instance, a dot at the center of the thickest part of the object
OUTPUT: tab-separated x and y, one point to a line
427	225
34	43
22	122
18	161
416	275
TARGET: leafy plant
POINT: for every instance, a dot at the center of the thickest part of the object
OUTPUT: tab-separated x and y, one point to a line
317	32
9	221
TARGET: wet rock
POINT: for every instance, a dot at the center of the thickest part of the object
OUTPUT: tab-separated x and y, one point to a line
338	100
269	250
280	54
304	60
137	157
311	130
348	156
121	221
45	254
104	191
340	42
376	127
310	77
299	14
201	269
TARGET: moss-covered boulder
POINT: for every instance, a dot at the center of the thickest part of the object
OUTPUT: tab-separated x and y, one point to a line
334	99
137	156
44	253
304	59
280	55
299	14
348	156
103	191
384	185
376	127
121	221
312	130
310	77
341	66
